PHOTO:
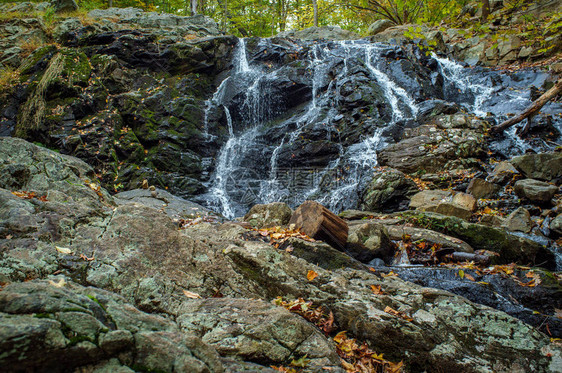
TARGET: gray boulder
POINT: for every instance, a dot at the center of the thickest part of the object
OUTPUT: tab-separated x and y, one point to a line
320	33
461	205
481	188
542	166
379	26
556	225
269	215
519	221
389	190
535	190
368	241
77	326
503	172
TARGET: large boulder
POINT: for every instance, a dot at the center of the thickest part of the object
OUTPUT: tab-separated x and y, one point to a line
449	142
269	215
379	26
510	247
369	241
480	188
232	326
389	190
519	221
46	325
535	190
320	33
556	225
542	166
502	173
461	205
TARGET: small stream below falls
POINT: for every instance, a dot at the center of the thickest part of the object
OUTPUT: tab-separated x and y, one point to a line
305	120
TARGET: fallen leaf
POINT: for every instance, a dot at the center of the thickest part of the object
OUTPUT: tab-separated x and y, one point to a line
469	277
558	313
63	250
190	294
59	284
376	289
461	273
311	275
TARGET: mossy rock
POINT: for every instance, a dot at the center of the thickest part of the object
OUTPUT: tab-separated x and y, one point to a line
511	248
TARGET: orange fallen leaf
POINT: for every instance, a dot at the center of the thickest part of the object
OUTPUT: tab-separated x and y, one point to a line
190	294
376	289
311	275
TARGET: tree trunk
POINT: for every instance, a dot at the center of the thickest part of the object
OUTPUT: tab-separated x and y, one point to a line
315	8
111	3
193	7
485	9
318	222
532	109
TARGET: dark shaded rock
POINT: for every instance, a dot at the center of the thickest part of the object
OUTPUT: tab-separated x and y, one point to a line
543	166
535	191
556	225
481	188
519	220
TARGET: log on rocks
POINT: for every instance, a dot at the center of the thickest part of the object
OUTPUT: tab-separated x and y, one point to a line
318	222
532	109
469	257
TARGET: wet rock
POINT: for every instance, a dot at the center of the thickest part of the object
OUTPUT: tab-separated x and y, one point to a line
535	190
556	224
379	26
519	221
270	215
480	188
232	326
388	191
542	166
369	241
502	173
449	143
461	205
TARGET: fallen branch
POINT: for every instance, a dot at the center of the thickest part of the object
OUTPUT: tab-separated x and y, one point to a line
532	109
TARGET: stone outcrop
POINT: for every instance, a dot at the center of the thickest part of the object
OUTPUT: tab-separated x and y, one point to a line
389	190
134	260
461	205
270	215
535	190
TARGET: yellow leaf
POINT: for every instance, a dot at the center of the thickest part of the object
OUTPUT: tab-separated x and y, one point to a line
311	275
461	273
59	284
340	337
376	289
63	250
190	294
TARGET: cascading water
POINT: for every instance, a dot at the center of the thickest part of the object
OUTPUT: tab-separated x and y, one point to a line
307	124
486	92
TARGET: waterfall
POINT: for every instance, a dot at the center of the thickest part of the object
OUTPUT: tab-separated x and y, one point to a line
254	164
